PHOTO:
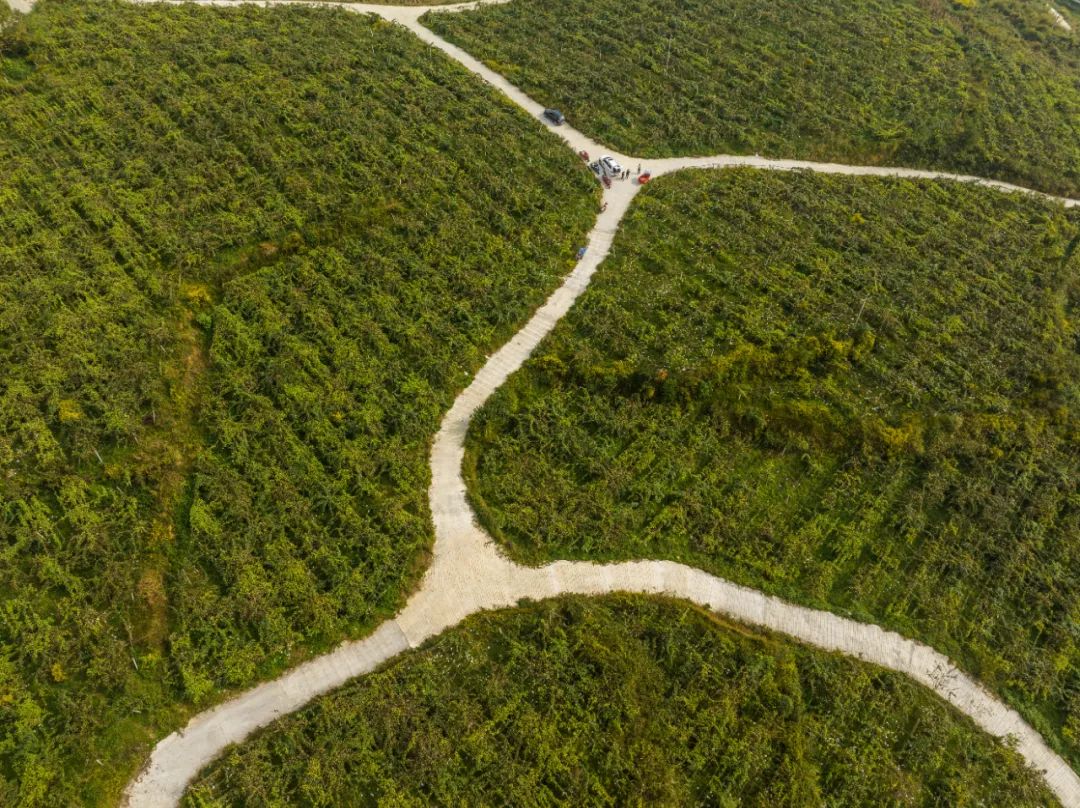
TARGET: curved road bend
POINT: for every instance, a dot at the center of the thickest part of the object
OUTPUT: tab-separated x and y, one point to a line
468	573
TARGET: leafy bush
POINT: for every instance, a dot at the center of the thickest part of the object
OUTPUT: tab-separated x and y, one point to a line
620	701
248	257
859	394
989	88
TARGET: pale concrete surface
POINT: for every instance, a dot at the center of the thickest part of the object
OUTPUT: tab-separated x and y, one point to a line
402	14
1059	18
468	573
668	165
162	781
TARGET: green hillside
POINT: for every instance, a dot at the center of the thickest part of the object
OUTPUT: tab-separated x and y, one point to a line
247	258
989	87
860	394
620	701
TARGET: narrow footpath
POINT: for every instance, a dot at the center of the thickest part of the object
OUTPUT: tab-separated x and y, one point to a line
469	574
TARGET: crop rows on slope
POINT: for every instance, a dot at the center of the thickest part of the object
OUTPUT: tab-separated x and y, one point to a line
987	88
248	256
859	394
620	701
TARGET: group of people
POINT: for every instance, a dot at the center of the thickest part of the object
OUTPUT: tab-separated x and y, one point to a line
625	175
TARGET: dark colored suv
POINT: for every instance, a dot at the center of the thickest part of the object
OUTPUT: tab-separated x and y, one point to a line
554	116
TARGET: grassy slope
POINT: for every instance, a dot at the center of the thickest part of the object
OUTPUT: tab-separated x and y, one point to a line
620	701
859	394
988	87
248	257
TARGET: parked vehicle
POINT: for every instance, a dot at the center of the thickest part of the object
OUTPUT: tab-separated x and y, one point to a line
644	177
609	166
555	116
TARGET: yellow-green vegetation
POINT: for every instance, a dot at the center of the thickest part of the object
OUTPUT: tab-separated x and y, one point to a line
987	87
860	394
8	18
621	701
248	257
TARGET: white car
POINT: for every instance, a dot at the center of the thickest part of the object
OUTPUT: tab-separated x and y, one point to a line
609	167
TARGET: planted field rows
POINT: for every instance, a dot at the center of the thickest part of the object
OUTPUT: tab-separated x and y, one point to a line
620	701
252	256
987	88
249	257
857	394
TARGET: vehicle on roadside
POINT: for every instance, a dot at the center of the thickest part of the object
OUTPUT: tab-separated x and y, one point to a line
555	116
609	166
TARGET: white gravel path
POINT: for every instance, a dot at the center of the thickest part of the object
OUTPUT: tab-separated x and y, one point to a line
469	574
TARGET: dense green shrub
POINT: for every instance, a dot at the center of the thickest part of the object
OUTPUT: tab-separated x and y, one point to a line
620	701
247	257
989	87
12	32
860	394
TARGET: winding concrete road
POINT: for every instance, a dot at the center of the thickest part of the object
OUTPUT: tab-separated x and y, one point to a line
469	574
